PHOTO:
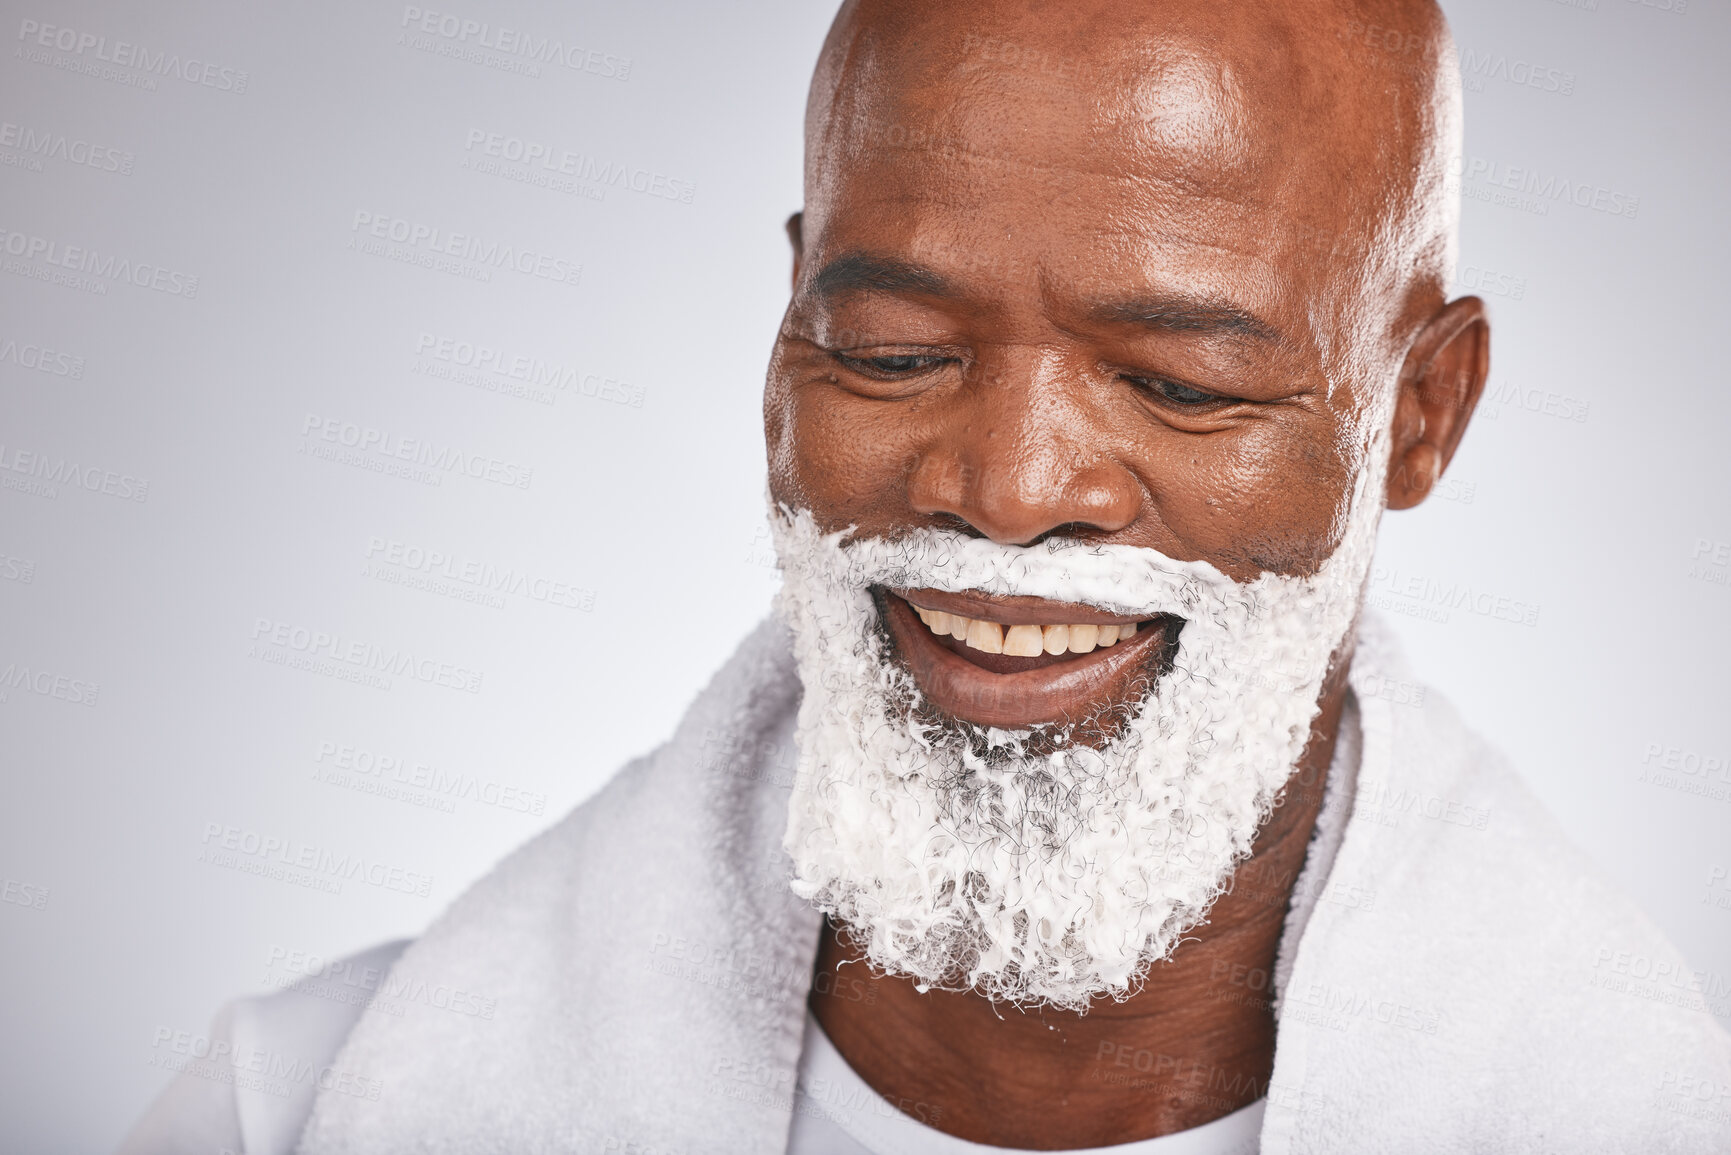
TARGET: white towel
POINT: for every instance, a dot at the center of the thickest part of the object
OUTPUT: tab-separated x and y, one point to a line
1489	995
1463	982
648	962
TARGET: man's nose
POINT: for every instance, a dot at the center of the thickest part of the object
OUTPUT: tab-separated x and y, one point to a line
1019	455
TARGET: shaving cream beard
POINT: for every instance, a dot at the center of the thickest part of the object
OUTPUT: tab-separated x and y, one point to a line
1022	864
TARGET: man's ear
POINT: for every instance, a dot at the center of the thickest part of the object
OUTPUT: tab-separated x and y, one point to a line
797	237
1440	384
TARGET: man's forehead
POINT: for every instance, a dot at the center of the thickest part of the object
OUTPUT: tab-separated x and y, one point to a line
1228	138
1171	111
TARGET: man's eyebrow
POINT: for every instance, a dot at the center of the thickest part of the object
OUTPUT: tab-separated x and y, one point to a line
1177	314
864	272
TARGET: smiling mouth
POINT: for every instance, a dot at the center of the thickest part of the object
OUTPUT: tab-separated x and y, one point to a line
1021	662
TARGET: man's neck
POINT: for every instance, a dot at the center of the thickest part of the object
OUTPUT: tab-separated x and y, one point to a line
1194	1043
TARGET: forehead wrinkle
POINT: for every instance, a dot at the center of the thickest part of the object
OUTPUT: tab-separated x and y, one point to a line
1191	153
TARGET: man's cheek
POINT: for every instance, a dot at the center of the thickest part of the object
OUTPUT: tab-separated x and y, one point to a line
1249	501
845	459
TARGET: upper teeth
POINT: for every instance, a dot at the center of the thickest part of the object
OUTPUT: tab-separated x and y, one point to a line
1022	641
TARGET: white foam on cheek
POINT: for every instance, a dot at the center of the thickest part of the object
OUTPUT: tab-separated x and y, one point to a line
959	857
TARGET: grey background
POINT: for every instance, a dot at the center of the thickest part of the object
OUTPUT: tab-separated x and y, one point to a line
1591	493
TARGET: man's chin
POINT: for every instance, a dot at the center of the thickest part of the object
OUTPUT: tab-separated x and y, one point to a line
1084	684
960	973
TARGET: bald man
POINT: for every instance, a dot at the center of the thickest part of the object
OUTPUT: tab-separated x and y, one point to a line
1069	801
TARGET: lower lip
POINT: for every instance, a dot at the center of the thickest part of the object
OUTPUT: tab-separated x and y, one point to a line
1062	689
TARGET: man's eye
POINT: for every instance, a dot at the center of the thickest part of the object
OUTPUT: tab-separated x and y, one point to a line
891	364
1174	392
